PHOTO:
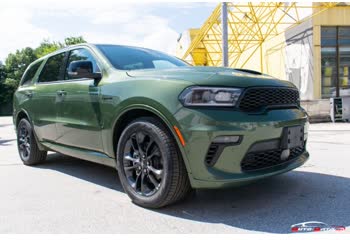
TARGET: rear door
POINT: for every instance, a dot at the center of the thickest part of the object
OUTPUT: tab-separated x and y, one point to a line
45	97
79	114
26	90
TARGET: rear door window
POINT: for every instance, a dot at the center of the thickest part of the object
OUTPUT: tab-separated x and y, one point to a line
53	69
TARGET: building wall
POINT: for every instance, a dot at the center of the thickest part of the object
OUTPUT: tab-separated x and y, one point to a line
288	56
296	54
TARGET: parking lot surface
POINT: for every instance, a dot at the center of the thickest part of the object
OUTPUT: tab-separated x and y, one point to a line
67	195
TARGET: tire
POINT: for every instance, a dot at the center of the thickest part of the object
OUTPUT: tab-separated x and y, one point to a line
150	167
27	146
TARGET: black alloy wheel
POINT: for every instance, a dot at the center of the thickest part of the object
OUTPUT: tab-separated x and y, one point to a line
28	149
151	169
143	163
24	141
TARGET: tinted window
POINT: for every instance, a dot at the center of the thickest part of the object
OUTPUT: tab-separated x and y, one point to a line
335	61
30	73
159	64
132	58
81	55
53	69
328	36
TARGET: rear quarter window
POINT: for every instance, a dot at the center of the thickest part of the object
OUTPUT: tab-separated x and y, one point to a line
30	73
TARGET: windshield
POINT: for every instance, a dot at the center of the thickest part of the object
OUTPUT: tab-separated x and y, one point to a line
133	58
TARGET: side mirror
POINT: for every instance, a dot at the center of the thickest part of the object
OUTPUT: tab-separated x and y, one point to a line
82	69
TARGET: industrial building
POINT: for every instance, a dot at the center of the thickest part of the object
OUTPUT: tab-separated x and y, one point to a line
307	44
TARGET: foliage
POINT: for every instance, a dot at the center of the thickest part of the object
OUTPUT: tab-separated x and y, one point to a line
16	63
8	86
47	47
2	72
73	40
2	79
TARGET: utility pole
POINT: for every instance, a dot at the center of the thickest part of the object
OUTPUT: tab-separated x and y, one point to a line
224	34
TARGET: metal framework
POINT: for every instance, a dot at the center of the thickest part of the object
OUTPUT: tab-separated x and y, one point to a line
249	26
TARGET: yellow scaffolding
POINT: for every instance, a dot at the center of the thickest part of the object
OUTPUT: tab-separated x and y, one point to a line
249	26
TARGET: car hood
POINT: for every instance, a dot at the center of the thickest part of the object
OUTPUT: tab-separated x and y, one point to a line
217	76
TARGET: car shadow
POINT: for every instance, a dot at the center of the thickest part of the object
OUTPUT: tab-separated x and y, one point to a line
6	142
5	125
88	171
271	205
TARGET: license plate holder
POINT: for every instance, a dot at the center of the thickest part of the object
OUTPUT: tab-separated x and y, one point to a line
293	137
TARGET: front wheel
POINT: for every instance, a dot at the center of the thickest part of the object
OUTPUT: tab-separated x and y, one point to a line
150	167
28	149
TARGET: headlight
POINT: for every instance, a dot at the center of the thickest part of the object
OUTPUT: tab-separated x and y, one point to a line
210	96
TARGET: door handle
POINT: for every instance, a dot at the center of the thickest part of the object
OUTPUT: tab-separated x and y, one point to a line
61	93
29	94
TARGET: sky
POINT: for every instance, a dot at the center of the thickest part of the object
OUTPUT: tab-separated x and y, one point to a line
155	25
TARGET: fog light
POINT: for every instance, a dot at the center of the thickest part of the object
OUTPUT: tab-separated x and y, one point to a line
227	139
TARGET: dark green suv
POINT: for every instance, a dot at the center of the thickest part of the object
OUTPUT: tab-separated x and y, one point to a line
166	126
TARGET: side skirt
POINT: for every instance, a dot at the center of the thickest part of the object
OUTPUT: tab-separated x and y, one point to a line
83	154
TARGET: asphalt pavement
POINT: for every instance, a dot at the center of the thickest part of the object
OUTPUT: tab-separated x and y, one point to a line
67	195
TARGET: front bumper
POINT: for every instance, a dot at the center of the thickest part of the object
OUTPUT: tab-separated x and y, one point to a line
201	126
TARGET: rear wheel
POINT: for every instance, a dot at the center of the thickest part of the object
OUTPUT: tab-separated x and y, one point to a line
151	169
27	147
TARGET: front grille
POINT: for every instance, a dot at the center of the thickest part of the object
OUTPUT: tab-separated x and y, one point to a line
296	152
258	160
254	99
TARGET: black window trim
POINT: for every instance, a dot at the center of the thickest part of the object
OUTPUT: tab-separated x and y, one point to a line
36	75
65	62
61	70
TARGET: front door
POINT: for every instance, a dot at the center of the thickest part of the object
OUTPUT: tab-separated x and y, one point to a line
79	116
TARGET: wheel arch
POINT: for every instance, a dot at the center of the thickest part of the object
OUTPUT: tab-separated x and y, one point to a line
21	114
138	111
24	114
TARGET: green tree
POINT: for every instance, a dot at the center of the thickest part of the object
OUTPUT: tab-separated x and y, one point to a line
47	47
8	87
2	79
2	72
73	40
16	63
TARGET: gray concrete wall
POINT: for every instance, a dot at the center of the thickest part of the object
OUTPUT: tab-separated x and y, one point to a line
318	110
